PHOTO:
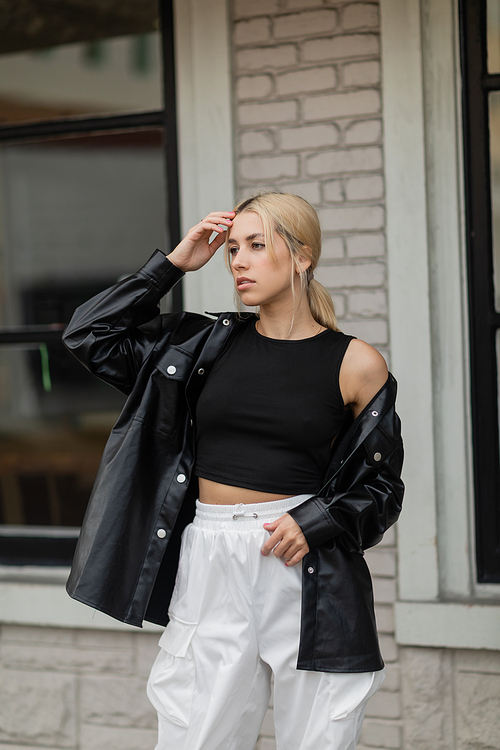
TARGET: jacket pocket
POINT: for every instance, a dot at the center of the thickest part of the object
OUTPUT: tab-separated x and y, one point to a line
349	691
171	682
164	405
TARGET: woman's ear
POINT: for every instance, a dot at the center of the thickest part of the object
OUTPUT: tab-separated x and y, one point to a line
303	260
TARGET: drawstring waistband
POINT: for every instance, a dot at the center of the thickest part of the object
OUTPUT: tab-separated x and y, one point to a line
246	515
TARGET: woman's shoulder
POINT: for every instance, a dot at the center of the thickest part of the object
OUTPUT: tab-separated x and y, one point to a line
363	372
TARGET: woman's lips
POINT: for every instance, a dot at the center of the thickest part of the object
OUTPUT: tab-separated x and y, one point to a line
243	283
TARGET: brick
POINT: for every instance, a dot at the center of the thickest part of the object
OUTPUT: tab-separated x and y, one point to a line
389	539
252	32
364	131
361	73
253	87
303	24
474	660
365	245
308	190
244	9
300	4
279	56
478	710
332	247
116	738
333	191
37	709
364	188
388	648
313	79
385	618
392	676
374	332
382	562
384	705
381	734
146	651
355	217
65	658
269	167
267	728
33	634
367	304
348	104
352	275
254	142
345	160
261	114
116	701
338	47
384	589
104	639
360	15
308	136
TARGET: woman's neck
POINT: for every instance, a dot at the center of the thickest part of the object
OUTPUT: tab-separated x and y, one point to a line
275	322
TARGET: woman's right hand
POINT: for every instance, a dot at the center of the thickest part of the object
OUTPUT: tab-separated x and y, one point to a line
196	249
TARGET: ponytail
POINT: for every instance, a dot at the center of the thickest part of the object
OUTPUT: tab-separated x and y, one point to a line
321	305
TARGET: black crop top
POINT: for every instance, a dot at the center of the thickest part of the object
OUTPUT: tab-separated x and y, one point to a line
269	411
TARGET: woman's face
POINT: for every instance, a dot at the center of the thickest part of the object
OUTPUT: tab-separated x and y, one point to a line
259	280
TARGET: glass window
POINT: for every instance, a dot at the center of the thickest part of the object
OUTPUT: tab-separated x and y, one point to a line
493	36
77	214
108	76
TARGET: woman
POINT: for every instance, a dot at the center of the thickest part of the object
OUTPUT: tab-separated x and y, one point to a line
243	412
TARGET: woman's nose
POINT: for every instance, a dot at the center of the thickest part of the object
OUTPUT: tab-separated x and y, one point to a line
239	260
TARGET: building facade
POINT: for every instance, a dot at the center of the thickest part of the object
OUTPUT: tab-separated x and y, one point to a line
373	112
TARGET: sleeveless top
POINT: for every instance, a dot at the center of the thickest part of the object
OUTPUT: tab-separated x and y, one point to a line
269	410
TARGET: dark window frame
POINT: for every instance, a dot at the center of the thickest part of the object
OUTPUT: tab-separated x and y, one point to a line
484	319
36	546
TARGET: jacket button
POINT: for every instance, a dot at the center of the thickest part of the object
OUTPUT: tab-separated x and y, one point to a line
181	478
374	413
201	371
171	369
161	533
225	322
377	456
310	569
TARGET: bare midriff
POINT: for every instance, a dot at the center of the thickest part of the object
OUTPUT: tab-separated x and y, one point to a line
214	493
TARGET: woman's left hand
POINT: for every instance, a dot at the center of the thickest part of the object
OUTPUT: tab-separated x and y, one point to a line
286	540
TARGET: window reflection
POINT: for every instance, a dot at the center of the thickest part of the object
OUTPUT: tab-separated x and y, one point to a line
77	214
98	77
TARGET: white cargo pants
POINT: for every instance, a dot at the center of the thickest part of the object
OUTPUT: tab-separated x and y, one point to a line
234	622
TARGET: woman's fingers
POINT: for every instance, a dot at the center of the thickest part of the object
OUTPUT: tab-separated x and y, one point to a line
286	540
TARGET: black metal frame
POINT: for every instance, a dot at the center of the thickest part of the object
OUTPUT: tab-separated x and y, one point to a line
58	550
484	319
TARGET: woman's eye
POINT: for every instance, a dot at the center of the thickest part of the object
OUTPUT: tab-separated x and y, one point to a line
257	245
233	250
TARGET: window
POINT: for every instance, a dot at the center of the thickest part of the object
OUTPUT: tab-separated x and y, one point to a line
480	38
88	187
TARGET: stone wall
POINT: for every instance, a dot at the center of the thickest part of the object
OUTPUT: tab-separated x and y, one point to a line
78	689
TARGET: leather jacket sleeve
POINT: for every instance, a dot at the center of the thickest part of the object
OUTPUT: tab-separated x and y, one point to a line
114	332
365	497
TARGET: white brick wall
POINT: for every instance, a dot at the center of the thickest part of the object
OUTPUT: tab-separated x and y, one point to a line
308	120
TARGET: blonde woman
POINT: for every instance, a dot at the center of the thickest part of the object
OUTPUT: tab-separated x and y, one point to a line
268	442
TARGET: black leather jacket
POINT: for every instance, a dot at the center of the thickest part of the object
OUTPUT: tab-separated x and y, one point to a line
127	554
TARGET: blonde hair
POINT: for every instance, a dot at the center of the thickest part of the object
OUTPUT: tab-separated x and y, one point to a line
297	223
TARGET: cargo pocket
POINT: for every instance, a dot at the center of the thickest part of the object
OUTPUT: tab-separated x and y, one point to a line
349	691
171	682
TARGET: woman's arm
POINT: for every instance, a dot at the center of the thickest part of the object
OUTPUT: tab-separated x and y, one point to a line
113	333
